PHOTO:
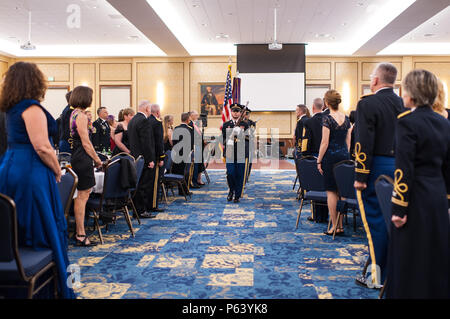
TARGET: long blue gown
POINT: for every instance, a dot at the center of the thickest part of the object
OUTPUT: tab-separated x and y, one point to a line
32	186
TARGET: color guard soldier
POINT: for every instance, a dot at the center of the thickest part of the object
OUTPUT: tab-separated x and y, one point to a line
376	117
233	135
250	143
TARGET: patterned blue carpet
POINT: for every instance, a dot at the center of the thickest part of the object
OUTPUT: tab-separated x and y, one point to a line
210	249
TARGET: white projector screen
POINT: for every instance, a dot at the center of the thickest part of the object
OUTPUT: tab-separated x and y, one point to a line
115	98
272	91
55	100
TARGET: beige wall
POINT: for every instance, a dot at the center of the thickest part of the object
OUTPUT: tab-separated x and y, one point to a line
178	79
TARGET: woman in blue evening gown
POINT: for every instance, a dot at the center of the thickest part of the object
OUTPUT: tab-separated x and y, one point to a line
29	169
334	147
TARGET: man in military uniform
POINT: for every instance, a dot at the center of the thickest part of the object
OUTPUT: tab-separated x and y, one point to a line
376	117
101	136
250	143
155	176
301	118
234	152
310	145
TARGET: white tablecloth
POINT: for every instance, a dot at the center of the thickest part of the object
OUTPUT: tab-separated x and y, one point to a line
98	187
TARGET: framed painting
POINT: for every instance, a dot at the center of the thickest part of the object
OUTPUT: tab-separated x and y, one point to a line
211	98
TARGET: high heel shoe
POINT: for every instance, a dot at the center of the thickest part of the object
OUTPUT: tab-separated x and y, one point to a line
82	243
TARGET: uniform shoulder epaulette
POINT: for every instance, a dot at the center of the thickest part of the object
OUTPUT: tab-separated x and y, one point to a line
366	95
403	114
158	119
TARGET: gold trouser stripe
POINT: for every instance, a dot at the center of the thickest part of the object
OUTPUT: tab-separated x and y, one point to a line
155	186
369	236
245	175
191	173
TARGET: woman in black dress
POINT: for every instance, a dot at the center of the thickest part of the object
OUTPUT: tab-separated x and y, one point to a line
168	130
83	157
121	132
334	147
419	248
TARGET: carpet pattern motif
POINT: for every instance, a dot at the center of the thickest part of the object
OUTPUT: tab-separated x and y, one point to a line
210	248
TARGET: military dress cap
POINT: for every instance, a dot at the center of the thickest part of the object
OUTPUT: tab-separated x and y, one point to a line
236	106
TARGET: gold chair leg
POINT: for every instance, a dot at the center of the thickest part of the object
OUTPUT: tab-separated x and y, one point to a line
337	223
299	213
98	228
164	192
135	211
128	219
382	290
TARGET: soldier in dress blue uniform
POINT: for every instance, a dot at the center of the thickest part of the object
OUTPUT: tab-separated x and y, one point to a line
419	246
101	136
234	152
376	115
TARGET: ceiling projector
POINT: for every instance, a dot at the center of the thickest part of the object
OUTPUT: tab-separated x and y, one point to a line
275	46
28	46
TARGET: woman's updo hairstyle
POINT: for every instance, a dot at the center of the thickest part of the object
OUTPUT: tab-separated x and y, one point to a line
333	99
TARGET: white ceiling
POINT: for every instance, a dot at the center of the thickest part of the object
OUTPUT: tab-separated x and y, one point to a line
213	27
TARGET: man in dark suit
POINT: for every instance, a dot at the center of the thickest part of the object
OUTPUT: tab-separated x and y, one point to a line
141	139
102	134
311	138
155	175
183	144
3	136
376	117
301	118
234	150
64	127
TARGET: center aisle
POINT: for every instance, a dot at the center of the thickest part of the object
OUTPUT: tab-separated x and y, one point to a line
209	248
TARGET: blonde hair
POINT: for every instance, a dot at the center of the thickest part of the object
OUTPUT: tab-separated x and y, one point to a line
439	102
166	126
333	99
422	87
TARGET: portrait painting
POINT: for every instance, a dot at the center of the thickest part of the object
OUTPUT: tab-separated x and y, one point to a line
212	97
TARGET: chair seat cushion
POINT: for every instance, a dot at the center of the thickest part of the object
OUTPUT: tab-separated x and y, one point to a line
351	203
32	262
316	196
173	177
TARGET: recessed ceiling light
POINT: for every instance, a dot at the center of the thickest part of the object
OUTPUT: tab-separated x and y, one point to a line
230	13
344	24
195	5
222	36
322	35
133	37
435	24
360	4
204	25
429	35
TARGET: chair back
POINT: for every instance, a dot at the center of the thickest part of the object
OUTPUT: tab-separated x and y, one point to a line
102	157
123	155
7	228
309	176
139	164
384	186
66	188
112	188
344	174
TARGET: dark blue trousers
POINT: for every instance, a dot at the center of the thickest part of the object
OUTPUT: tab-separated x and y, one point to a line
235	178
372	216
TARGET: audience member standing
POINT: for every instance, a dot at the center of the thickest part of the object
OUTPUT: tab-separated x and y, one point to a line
199	167
101	135
83	157
64	137
333	149
311	139
168	131
301	118
155	173
142	142
439	103
376	116
121	132
29	169
112	129
3	138
180	158
419	254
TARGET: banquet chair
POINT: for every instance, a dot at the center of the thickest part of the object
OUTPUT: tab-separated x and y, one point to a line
123	155
344	174
21	267
102	157
384	186
311	183
169	179
66	188
113	198
139	165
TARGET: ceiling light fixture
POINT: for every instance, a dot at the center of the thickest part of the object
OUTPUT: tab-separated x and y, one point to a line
28	45
275	45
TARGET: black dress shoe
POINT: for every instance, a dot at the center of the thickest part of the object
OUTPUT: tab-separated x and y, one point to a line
156	210
147	215
230	196
194	186
310	219
236	200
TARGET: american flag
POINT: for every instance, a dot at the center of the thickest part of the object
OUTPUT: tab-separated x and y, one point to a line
227	101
